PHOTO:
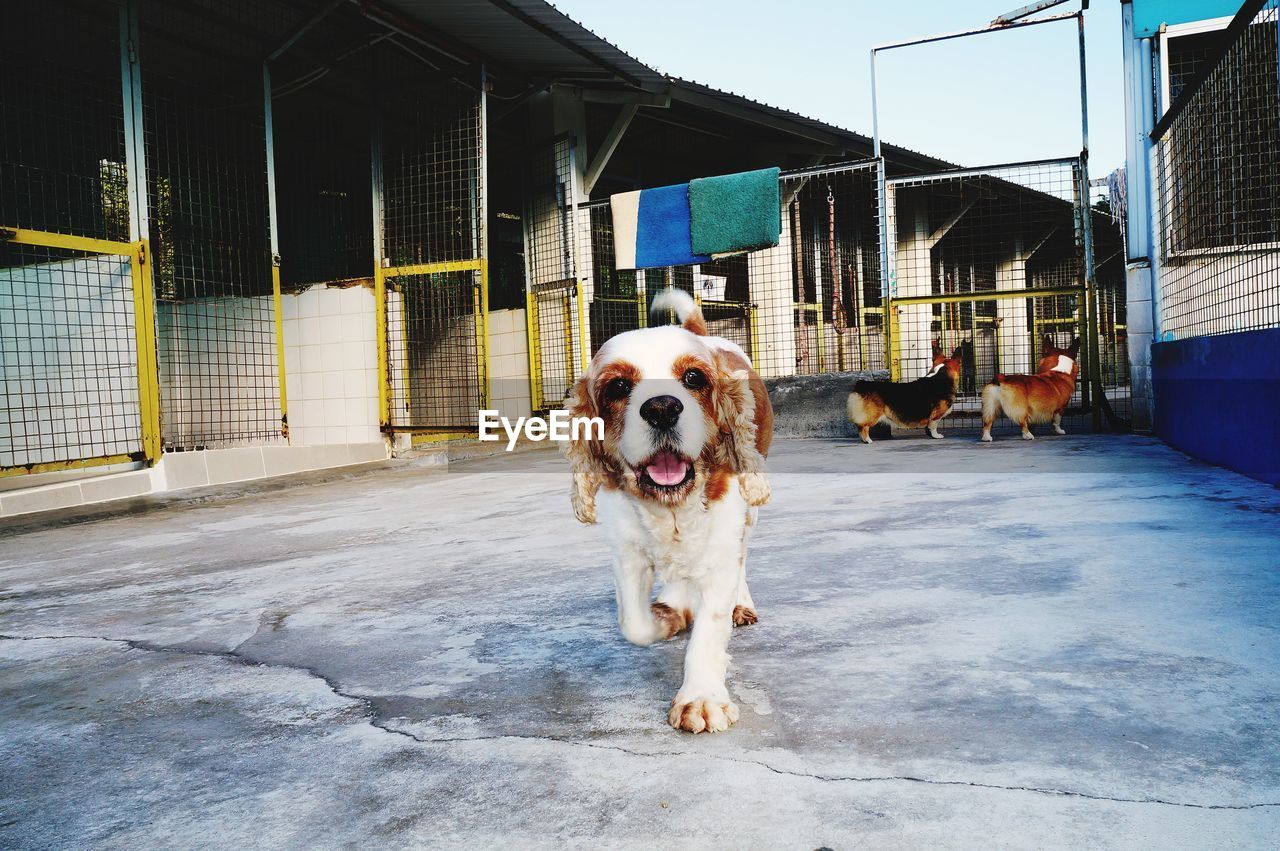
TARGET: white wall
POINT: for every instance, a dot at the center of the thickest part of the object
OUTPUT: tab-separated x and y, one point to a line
509	363
68	363
331	366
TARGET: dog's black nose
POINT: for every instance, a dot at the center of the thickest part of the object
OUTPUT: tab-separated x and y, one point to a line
661	411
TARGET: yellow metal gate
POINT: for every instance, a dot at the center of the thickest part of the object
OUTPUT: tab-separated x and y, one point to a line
431	280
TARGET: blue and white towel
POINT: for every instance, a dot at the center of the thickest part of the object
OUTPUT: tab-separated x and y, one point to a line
651	228
722	215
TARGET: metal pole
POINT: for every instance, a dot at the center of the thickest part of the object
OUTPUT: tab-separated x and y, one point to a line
886	300
1086	229
1013	25
273	231
482	303
143	261
134	151
380	261
875	111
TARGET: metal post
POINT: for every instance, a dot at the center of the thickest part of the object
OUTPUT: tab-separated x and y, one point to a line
379	263
273	229
482	302
875	111
143	281
134	150
570	227
1091	284
532	326
886	296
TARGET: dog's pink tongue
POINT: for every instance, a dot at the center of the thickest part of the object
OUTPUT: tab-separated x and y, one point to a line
667	469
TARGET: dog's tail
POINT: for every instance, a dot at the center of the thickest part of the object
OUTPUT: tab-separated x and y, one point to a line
991	401
687	312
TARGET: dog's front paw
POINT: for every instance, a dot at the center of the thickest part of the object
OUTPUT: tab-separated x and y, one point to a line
669	621
754	487
1026	435
702	714
986	438
744	616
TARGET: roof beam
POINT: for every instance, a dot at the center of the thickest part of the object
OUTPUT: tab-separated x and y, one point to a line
662	101
298	33
952	220
415	30
608	146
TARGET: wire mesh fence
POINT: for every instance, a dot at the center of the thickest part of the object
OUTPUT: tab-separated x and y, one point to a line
68	358
552	250
433	272
207	193
69	366
816	297
992	260
981	231
1218	179
823	301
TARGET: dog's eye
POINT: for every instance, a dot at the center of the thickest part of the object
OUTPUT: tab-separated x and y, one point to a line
619	388
694	379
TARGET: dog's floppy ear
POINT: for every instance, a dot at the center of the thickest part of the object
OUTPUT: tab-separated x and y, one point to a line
1075	348
1048	344
735	406
584	454
958	354
937	348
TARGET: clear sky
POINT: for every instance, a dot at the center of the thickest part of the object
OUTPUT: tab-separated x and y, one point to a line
986	99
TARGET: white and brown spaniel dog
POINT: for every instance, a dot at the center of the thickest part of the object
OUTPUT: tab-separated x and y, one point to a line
675	482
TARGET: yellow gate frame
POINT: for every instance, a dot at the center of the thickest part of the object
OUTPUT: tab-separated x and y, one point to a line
480	306
1084	321
572	303
144	326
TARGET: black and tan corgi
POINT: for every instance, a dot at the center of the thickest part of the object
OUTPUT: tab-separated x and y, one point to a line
908	404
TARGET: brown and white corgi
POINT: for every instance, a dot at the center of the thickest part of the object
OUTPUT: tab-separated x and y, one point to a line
909	404
1038	398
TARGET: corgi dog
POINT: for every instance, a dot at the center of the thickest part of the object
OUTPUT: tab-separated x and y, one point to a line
1038	398
909	404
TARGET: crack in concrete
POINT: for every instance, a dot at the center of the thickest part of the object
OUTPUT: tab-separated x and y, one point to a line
377	721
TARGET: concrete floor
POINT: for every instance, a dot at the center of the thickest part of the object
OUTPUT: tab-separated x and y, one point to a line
1068	642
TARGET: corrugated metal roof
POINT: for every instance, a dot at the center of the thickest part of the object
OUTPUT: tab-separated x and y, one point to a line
858	139
530	36
537	40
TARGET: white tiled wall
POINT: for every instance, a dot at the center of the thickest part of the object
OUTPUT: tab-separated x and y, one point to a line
68	366
331	366
509	363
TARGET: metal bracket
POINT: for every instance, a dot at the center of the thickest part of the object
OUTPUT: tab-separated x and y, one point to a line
275	260
8	233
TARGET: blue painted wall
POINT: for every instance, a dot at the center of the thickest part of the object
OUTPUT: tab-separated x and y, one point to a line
1218	398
